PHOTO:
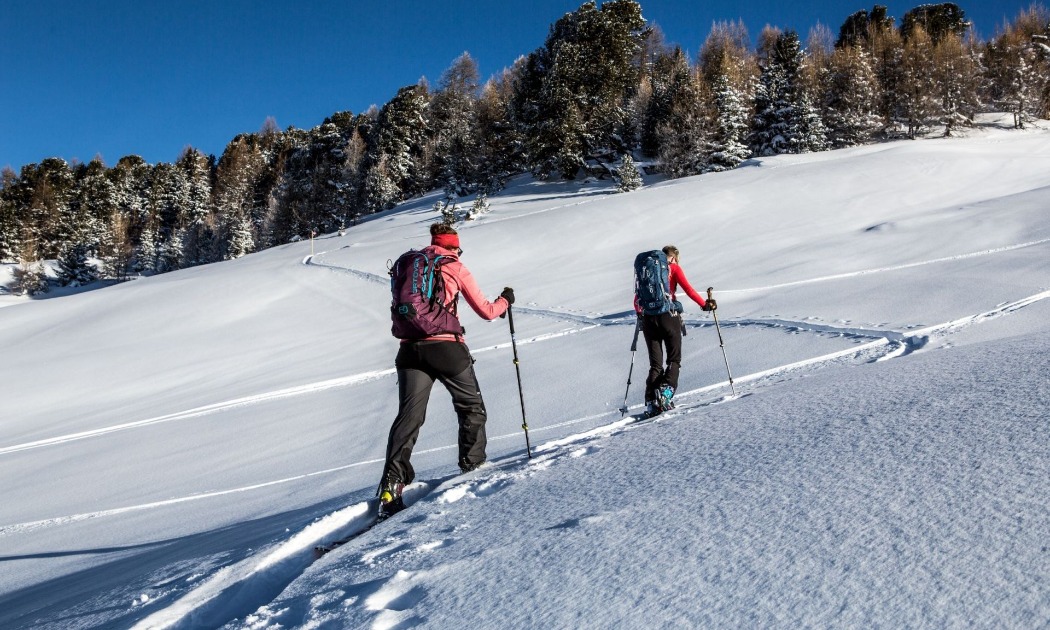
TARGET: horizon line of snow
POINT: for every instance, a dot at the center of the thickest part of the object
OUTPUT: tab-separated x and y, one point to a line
853	274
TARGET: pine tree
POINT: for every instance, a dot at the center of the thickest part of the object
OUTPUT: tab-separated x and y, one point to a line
401	130
116	249
97	199
195	208
850	98
479	207
862	27
627	176
10	240
30	274
144	258
1017	67
570	102
937	21
786	120
51	214
74	268
170	253
454	126
727	146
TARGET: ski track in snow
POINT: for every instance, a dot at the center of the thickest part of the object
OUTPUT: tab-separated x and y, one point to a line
854	274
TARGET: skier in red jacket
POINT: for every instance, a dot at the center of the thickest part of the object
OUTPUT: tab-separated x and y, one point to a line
665	331
444	357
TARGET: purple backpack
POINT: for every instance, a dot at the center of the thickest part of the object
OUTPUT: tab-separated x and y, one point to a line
417	309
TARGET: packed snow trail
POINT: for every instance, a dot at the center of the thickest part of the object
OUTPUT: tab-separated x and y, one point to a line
239	589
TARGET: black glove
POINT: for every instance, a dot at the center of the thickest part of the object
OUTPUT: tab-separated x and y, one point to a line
508	294
710	305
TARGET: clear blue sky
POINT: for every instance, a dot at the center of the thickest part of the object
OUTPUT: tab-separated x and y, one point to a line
119	77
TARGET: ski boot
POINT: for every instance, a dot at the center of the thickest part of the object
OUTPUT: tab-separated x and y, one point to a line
665	398
390	501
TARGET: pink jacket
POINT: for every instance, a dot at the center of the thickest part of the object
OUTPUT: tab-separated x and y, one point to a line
458	280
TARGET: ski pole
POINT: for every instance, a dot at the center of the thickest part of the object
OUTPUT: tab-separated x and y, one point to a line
634	348
517	368
721	343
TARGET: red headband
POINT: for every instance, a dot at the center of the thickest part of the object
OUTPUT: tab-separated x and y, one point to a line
448	241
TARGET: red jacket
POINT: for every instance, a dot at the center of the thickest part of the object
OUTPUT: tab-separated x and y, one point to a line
677	277
458	280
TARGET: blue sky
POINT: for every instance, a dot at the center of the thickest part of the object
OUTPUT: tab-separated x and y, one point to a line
119	77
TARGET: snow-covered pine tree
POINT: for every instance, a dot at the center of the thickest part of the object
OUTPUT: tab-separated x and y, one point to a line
51	210
144	256
380	190
170	252
241	241
116	249
402	129
850	97
627	176
30	274
454	127
1017	66
195	207
570	102
10	239
728	68
479	207
786	120
73	267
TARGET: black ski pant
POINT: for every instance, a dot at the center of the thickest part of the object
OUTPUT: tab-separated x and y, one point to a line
662	331
419	364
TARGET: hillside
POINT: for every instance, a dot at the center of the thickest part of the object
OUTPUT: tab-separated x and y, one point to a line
176	445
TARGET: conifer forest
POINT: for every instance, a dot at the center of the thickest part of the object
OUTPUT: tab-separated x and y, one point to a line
604	96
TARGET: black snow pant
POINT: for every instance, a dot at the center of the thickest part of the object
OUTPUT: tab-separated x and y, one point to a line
419	364
664	330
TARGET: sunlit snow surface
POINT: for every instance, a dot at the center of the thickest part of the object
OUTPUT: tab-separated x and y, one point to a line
174	447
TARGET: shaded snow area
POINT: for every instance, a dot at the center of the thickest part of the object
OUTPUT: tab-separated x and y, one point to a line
175	447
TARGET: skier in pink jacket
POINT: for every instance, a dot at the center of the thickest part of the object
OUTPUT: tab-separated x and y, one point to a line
444	357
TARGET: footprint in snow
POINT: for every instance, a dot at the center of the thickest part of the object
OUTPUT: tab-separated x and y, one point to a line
394	602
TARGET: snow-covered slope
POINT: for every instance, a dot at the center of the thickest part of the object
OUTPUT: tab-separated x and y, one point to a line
175	446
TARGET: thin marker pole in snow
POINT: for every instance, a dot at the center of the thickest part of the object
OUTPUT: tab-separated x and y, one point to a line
517	368
721	343
634	348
